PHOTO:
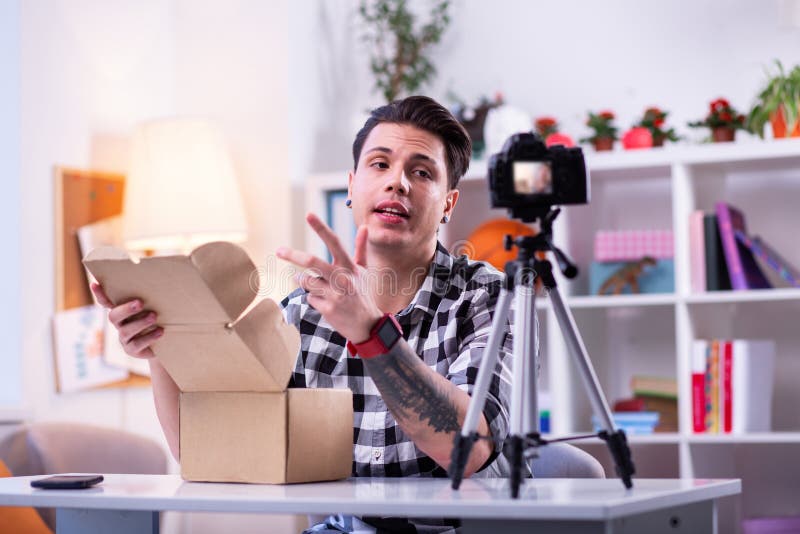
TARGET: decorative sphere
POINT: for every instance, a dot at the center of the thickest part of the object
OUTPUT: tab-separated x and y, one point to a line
637	137
559	139
486	242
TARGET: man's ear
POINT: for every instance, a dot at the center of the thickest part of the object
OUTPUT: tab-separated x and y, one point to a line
350	185
450	202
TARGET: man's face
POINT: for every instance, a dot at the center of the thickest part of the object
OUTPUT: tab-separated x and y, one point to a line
399	189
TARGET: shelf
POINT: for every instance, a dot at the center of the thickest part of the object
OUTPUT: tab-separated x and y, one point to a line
618	301
652	334
761	437
673	437
751	295
657	438
664	157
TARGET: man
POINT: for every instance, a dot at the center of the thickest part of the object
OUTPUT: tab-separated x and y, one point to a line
416	337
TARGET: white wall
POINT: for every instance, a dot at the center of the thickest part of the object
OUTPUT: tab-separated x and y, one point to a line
564	58
232	65
90	70
10	363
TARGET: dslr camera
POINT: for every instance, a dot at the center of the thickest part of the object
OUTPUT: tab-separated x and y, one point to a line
529	178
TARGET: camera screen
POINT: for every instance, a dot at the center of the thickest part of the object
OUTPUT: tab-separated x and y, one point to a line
533	177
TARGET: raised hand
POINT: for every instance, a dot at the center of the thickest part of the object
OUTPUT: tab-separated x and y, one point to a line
338	290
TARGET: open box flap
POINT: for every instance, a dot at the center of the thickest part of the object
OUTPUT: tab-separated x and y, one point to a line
195	297
275	343
170	285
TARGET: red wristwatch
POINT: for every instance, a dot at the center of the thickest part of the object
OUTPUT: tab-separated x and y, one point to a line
381	338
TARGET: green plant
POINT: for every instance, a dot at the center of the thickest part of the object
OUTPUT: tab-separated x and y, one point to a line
602	124
782	91
654	119
720	115
399	46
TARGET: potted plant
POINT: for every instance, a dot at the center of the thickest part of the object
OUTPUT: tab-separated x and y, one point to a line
605	133
778	103
654	119
399	46
723	120
547	128
474	118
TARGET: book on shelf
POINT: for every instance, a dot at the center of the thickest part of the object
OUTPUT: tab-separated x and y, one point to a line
712	389
633	423
732	385
771	525
697	252
742	267
666	408
700	349
717	277
654	386
770	257
633	245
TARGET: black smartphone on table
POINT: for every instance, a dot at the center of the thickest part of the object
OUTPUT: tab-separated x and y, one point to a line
67	481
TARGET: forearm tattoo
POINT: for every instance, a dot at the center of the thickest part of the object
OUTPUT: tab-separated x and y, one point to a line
410	391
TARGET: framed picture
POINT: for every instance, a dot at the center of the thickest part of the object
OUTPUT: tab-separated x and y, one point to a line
84	200
81	198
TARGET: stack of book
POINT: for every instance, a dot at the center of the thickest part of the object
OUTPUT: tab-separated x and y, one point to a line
654	395
732	385
724	256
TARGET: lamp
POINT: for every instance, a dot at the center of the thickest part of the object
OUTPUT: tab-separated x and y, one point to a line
181	191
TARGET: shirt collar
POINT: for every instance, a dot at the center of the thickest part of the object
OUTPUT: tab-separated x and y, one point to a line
436	284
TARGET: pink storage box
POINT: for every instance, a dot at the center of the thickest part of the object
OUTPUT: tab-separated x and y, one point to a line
629	245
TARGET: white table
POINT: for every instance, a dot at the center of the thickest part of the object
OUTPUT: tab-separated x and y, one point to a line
130	503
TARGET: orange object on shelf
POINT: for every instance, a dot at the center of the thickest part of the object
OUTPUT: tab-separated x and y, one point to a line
485	243
779	128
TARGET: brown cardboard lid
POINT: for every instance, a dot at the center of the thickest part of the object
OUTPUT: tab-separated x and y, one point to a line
199	298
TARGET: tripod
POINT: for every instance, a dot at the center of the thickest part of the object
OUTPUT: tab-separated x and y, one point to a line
524	437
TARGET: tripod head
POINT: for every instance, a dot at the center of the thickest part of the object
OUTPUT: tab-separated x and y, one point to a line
541	242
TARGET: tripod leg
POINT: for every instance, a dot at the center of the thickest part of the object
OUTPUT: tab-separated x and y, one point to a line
523	413
615	438
516	453
465	440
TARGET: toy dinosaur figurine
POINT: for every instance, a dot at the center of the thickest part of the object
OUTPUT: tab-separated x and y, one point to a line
628	274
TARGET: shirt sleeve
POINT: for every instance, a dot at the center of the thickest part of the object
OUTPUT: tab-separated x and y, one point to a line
291	307
474	330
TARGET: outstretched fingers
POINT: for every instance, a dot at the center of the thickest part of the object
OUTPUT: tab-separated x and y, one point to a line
304	260
360	257
331	240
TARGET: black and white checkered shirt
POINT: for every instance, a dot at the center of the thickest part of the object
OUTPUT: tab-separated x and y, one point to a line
447	324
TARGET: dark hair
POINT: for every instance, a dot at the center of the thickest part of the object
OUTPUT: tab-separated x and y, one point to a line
426	114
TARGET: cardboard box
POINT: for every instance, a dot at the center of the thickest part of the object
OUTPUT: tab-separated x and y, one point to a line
238	422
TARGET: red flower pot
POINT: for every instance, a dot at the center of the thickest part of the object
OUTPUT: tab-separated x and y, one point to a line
602	144
658	140
723	134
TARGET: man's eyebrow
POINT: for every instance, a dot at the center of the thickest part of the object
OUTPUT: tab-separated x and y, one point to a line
387	150
423	157
379	149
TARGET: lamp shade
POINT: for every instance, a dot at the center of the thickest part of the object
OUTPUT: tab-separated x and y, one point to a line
181	190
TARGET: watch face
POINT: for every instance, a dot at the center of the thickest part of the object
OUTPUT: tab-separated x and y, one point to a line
388	334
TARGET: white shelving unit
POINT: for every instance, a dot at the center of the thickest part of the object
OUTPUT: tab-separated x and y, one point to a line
652	334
